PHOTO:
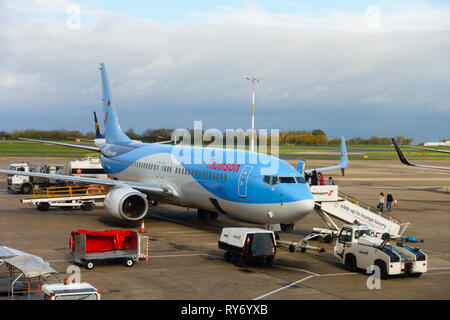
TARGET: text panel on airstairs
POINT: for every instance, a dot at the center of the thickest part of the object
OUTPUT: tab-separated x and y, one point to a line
348	210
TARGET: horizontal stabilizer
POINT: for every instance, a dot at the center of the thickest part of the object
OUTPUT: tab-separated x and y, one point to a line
77	146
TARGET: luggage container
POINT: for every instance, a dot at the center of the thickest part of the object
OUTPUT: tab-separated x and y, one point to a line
93	247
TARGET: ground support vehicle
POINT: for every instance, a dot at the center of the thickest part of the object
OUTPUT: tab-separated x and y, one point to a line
85	167
85	197
71	291
358	248
333	206
25	184
22	275
90	248
244	245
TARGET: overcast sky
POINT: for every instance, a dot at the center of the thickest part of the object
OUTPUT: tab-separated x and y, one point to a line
352	68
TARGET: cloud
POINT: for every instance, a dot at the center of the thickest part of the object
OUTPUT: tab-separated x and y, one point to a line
410	17
168	75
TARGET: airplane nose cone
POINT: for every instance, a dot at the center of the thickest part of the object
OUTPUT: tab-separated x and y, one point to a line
301	204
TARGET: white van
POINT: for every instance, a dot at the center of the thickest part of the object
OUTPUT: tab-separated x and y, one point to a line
243	245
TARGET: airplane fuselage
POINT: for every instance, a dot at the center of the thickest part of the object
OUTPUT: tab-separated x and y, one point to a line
198	179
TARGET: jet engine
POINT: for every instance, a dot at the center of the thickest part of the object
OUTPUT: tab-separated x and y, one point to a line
126	204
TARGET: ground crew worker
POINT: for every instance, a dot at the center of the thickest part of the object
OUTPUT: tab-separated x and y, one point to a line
389	200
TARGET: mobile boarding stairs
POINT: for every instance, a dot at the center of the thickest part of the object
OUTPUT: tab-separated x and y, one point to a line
330	203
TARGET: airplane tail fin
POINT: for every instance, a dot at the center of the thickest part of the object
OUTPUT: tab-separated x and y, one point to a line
113	132
98	134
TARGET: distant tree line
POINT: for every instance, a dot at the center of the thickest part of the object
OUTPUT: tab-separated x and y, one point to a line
314	138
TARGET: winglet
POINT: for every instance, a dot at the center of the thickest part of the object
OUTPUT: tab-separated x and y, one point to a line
344	158
401	156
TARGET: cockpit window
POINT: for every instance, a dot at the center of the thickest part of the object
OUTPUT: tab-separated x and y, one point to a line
300	180
287	180
272	180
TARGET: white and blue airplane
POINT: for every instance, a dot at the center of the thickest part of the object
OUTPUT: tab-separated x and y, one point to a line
141	172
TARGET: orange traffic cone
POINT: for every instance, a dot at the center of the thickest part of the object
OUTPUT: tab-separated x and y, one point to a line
395	202
142	227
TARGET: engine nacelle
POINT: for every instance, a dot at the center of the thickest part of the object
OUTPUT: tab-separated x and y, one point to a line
126	203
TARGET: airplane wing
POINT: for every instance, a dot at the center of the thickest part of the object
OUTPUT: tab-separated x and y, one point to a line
155	189
428	149
78	146
343	163
405	161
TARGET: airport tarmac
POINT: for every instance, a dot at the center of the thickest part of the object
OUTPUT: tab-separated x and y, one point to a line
185	262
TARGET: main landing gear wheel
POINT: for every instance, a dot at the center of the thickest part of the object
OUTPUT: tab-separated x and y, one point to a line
202	215
213	215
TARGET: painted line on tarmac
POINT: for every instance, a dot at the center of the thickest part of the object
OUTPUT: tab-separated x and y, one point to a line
297	269
338	274
187	232
285	287
443	268
161	256
180	255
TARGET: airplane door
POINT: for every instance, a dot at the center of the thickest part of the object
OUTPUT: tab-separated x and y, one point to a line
243	178
159	169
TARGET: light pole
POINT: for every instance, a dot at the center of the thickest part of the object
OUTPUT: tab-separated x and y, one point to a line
253	79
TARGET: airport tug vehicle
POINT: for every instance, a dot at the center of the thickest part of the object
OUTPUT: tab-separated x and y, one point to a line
72	291
358	248
244	245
